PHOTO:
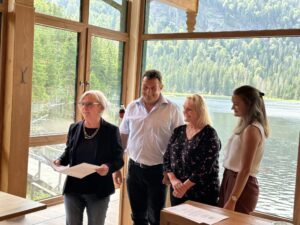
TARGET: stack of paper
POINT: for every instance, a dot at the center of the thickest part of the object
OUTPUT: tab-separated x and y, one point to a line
196	214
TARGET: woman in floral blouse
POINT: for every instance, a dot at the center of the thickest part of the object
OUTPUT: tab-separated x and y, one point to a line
191	159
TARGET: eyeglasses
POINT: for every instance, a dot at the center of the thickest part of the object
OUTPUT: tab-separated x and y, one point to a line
187	109
88	104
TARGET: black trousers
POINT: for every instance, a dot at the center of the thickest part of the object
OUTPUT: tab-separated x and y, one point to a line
146	192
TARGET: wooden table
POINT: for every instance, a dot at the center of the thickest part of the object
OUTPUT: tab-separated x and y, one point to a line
235	218
13	206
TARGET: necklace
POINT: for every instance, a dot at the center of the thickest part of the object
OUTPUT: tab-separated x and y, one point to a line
87	136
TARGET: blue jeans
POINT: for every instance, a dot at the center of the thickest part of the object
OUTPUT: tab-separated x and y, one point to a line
95	207
146	192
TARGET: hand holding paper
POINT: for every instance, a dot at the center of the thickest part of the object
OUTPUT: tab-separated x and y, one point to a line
79	171
102	170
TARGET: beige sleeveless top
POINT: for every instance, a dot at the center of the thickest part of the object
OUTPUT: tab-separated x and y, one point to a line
232	158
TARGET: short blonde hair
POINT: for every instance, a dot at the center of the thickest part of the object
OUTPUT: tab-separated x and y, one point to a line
201	109
100	97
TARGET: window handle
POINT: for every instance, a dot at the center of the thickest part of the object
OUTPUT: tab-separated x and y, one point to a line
84	83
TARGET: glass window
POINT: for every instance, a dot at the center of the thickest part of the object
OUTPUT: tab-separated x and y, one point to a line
214	68
53	81
106	72
42	181
108	14
64	9
221	15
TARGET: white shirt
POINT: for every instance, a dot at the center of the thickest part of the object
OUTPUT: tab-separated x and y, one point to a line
232	158
149	133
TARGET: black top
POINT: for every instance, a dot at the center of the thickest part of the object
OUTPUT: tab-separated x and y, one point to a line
196	159
105	147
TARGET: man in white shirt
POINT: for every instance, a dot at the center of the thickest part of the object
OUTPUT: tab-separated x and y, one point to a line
145	130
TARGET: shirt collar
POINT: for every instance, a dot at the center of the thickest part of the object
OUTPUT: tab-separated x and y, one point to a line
162	100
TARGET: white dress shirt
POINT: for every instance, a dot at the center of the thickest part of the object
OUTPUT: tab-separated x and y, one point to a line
149	133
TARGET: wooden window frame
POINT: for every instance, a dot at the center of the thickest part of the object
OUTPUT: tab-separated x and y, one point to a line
225	35
3	11
85	31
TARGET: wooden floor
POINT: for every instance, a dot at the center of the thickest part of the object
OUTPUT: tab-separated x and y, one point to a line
55	215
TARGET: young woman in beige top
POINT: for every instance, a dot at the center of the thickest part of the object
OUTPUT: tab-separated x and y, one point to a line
244	151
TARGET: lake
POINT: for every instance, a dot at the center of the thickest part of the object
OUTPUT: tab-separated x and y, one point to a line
278	169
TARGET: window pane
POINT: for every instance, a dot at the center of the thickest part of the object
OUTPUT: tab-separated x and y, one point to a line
53	81
108	14
64	9
106	72
214	68
42	181
221	15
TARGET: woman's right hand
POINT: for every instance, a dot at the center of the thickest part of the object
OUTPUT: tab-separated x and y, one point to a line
56	162
178	186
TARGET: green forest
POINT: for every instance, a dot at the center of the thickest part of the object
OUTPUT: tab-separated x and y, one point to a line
217	66
214	66
208	66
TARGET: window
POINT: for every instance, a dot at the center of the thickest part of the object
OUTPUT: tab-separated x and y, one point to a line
53	105
53	81
224	55
108	14
221	15
106	72
214	68
42	181
64	9
61	59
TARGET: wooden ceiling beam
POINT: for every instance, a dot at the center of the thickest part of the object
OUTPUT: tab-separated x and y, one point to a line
187	5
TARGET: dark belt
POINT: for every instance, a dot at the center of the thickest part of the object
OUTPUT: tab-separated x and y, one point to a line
143	166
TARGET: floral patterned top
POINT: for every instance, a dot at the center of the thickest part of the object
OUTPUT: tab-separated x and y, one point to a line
196	159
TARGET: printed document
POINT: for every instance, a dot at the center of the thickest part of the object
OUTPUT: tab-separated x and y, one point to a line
196	214
79	171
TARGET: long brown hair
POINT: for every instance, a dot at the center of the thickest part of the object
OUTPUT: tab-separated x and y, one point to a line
256	111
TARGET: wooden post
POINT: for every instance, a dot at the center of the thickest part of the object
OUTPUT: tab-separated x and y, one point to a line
191	21
134	57
297	194
18	79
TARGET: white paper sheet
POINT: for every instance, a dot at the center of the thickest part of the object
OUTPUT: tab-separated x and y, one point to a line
196	214
79	171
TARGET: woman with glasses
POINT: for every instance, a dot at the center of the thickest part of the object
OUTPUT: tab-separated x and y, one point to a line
244	151
191	161
95	141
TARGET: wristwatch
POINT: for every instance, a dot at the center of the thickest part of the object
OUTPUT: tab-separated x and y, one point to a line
234	198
